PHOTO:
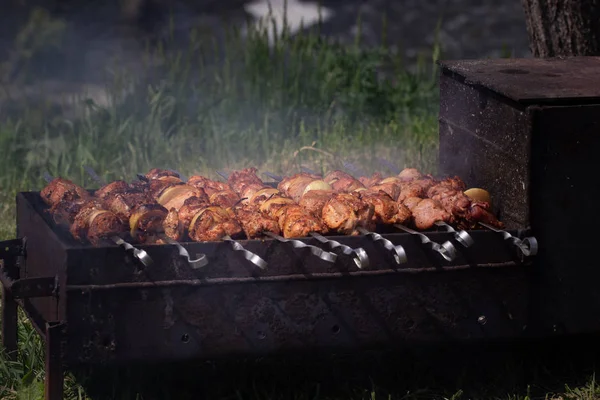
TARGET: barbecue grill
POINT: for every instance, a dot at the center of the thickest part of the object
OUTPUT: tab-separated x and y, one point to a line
116	304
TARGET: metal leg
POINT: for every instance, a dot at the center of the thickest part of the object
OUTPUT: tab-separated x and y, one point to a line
9	324
54	369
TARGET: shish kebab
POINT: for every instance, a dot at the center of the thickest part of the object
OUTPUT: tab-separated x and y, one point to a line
218	198
113	209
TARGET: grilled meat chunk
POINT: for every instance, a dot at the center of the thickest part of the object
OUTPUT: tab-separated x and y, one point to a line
208	185
240	180
95	223
60	189
255	223
315	200
372	180
410	174
295	221
385	209
345	212
301	179
146	221
342	182
172	225
157	173
212	224
272	206
176	195
112	188
427	212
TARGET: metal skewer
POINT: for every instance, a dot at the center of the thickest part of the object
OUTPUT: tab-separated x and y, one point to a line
446	249
385	163
141	255
316	251
528	246
273	176
353	168
461	236
248	255
223	174
308	170
398	251
359	255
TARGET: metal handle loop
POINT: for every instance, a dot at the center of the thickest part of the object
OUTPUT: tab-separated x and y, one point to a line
461	236
528	246
398	251
359	255
248	255
446	249
316	251
141	255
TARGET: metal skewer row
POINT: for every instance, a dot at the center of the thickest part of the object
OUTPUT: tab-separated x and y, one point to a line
527	246
446	249
199	262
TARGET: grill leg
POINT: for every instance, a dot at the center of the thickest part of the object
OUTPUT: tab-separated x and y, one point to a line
54	369
9	324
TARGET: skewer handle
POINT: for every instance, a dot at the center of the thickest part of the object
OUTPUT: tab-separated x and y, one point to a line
353	168
397	251
223	174
359	255
446	249
308	170
200	262
141	255
461	236
322	254
528	246
385	163
248	255
90	171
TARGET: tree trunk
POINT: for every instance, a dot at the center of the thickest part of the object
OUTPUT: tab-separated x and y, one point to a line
563	27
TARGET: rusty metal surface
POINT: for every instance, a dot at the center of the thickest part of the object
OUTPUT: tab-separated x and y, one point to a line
533	81
297	316
487	142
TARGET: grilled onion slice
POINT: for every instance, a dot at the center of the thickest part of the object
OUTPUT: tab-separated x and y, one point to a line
175	196
479	195
147	218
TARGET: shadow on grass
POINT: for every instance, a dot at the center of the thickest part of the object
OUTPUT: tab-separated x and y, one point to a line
525	370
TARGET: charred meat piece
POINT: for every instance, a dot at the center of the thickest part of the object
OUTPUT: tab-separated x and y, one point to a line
301	179
122	204
172	225
190	208
262	195
112	188
176	195
315	200
60	189
225	199
415	188
249	192
255	223
369	181
157	173
272	206
146	221
386	209
295	221
345	212
427	212
208	185
94	223
212	224
342	182
240	180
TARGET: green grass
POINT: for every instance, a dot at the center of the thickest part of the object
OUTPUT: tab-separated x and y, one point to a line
229	105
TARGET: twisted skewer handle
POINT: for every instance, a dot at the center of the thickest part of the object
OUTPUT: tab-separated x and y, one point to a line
141	255
461	236
359	255
322	254
385	163
200	262
308	170
397	251
90	171
446	249
528	246
248	255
